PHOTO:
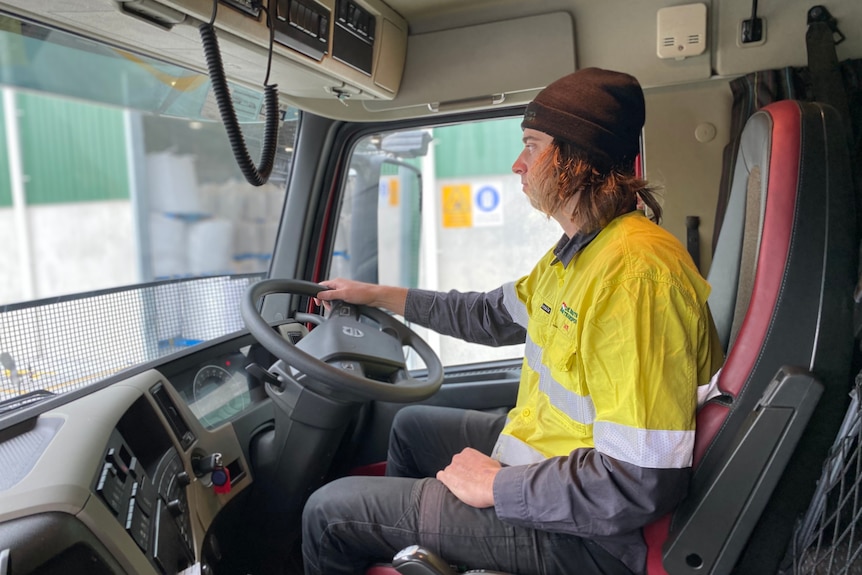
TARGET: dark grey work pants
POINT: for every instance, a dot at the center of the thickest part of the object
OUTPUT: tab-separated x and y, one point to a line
355	522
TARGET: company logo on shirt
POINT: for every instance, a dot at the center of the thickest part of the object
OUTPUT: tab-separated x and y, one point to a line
569	313
546	308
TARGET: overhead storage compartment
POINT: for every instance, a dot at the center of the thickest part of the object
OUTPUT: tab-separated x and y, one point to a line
342	42
484	63
346	49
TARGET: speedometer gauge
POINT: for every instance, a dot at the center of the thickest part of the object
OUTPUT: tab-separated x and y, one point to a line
218	395
207	380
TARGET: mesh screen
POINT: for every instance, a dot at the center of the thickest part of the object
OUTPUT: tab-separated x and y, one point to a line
829	538
68	342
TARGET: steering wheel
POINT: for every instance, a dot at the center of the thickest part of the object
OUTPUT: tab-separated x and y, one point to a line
358	349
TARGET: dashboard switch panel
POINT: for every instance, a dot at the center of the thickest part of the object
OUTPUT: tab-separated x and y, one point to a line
150	502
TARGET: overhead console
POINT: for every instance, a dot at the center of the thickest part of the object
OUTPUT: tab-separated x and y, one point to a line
347	49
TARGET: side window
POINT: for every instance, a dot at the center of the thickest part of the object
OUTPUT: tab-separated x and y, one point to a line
440	209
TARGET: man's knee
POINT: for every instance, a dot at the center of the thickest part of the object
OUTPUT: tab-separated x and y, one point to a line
407	417
414	421
329	503
406	421
342	520
332	498
405	433
355	499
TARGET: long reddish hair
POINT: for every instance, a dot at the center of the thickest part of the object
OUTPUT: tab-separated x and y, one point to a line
562	172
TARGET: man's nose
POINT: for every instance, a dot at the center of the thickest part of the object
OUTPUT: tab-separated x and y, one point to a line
519	167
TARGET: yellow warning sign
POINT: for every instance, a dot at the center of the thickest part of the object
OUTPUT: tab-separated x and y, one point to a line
394	197
457	206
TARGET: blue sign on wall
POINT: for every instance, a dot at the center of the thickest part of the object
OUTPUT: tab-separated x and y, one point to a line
487	198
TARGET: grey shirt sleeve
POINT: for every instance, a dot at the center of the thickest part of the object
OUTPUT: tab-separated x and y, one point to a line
587	494
471	316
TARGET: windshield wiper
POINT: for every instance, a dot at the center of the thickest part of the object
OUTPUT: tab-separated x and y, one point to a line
21	400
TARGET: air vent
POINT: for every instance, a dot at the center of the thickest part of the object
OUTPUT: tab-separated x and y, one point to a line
681	31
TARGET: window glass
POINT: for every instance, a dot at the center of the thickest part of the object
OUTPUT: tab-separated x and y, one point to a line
124	178
440	209
127	231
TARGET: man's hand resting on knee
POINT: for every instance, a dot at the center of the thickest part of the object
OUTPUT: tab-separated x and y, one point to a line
470	477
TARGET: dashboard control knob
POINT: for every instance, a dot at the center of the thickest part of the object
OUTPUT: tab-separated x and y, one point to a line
183	479
176	507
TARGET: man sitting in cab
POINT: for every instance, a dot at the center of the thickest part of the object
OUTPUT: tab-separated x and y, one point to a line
620	344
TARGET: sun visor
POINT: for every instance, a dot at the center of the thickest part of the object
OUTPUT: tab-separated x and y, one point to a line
484	64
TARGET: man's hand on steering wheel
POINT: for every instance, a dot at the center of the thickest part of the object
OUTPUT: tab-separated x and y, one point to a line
361	293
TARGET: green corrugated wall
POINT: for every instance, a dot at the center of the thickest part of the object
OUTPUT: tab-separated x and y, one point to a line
71	152
477	149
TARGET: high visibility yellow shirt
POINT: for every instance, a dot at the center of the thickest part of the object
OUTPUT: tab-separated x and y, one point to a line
619	342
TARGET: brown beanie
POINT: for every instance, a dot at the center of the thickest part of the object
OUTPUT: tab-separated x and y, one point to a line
599	111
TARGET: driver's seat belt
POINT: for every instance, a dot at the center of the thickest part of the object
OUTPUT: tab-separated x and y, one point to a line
827	86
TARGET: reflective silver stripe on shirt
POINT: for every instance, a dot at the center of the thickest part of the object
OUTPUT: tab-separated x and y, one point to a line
515	306
577	407
510	450
653	448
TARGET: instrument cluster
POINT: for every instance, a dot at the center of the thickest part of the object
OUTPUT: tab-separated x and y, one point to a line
216	386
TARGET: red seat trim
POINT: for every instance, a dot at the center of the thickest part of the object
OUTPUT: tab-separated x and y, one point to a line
376	469
782	187
774	244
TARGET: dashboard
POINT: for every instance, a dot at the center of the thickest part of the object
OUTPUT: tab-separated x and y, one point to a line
151	472
127	479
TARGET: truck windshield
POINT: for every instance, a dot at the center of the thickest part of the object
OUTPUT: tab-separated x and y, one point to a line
127	231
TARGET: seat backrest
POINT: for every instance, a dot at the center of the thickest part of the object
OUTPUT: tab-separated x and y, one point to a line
783	277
